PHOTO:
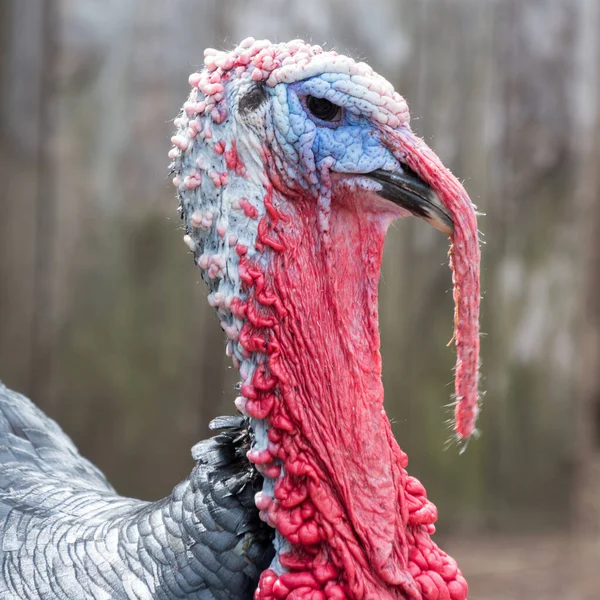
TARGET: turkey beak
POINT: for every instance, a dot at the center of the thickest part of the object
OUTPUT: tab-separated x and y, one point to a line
406	189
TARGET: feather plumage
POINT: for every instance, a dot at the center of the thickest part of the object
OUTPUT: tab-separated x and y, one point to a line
66	534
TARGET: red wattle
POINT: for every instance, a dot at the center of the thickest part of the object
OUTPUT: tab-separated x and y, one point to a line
358	525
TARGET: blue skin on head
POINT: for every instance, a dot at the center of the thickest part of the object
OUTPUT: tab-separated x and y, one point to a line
349	145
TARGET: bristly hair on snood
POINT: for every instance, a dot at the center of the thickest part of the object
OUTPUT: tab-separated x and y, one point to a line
274	161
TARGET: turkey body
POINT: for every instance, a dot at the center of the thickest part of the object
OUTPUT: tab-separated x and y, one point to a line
66	534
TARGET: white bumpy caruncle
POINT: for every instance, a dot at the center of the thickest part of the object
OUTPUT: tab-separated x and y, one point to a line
210	194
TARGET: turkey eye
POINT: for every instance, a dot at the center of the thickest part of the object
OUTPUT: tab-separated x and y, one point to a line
322	108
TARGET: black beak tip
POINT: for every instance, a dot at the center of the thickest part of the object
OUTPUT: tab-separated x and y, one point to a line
406	189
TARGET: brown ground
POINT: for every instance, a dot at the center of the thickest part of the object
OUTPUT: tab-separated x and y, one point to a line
552	567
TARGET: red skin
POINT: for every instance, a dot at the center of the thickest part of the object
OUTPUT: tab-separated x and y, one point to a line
358	524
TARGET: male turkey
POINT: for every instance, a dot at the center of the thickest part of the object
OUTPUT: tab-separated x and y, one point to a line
289	163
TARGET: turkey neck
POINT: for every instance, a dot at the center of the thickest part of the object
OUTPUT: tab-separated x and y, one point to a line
311	308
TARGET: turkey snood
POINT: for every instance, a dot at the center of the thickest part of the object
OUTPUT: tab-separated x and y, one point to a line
290	163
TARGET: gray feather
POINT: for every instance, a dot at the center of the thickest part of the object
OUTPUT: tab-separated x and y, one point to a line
65	534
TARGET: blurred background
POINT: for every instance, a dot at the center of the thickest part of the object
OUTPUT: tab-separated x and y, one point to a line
103	319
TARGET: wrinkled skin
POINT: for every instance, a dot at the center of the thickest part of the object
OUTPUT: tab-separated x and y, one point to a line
274	164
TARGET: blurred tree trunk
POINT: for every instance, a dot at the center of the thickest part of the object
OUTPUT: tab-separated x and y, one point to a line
27	230
586	516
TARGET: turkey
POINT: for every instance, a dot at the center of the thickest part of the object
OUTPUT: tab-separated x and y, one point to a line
289	163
